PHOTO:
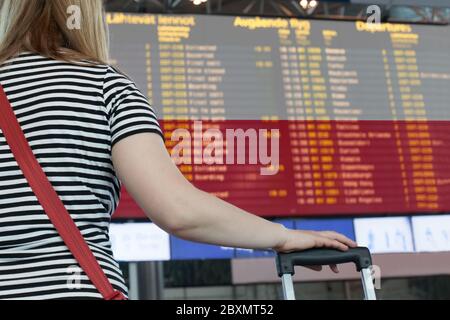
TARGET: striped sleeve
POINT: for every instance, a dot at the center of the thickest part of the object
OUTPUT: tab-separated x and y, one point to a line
129	111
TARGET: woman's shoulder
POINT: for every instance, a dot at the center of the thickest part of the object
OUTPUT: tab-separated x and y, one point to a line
118	80
34	58
27	64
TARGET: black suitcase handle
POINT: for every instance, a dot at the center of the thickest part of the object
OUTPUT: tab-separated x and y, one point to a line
319	257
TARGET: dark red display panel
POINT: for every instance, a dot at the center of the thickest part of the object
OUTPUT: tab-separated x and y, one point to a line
327	168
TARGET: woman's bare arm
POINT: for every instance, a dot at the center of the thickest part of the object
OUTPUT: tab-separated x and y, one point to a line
169	200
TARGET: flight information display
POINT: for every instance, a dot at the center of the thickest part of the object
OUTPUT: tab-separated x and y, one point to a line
293	117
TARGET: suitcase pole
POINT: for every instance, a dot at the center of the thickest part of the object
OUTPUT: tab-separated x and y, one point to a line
288	287
367	281
361	257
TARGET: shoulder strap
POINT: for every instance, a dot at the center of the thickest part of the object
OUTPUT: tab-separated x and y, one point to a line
49	200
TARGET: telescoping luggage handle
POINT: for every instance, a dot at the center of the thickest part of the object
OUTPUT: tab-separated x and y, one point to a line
360	256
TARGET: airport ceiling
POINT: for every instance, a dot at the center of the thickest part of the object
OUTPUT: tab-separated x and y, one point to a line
421	11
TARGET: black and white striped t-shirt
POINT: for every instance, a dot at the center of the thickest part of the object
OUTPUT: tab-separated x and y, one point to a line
71	115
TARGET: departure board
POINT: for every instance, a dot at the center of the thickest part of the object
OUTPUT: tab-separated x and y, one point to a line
360	112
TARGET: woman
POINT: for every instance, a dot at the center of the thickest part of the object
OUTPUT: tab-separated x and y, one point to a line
88	126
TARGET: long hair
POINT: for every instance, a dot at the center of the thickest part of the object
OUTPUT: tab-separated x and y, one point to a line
43	26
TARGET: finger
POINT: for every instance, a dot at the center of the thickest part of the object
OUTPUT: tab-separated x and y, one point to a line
330	243
327	243
339	237
334	268
315	268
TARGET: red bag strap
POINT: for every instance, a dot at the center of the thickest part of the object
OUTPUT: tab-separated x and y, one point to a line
51	203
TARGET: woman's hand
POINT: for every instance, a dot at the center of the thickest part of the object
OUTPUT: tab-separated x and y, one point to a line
298	240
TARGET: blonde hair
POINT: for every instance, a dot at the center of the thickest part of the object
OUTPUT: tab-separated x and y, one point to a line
41	26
